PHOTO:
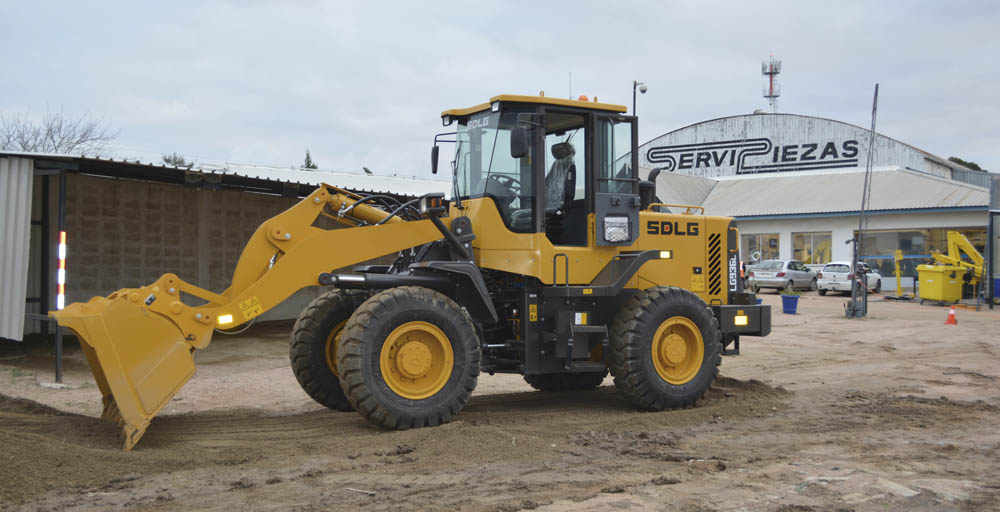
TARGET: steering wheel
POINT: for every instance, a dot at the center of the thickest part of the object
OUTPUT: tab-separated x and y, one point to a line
511	185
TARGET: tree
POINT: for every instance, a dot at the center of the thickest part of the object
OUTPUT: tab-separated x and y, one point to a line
177	160
309	164
56	133
971	165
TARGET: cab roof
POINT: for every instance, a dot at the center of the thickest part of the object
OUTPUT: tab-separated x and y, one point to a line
515	98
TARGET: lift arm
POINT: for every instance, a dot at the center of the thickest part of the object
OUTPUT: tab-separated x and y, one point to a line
957	245
139	341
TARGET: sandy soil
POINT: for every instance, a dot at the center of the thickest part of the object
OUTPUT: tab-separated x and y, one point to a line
894	412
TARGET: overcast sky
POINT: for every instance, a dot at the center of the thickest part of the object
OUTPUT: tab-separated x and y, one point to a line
363	83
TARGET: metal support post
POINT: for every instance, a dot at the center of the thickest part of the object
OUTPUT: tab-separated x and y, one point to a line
58	342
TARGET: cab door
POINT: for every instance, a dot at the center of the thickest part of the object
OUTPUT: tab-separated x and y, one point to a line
615	201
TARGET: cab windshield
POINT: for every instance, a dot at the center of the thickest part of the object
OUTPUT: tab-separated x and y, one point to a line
484	168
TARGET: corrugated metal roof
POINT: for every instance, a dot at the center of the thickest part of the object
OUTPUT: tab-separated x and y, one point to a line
399	185
892	189
16	177
681	189
377	183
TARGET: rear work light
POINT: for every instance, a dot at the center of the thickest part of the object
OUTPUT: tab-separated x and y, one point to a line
616	229
819	275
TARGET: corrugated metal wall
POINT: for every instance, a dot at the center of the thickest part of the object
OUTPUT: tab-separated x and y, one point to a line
16	176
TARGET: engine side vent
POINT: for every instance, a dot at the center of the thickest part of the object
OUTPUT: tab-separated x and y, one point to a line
714	264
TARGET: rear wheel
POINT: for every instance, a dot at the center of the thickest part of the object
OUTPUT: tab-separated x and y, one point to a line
566	381
878	286
789	286
822	291
664	348
314	342
409	357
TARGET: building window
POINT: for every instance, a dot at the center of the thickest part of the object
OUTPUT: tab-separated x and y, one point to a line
811	248
879	246
756	248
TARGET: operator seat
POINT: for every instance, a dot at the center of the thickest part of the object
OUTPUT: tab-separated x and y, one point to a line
560	186
560	182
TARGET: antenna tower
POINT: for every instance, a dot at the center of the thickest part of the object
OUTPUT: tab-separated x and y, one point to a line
771	69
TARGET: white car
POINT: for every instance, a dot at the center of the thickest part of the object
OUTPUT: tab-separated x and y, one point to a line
836	276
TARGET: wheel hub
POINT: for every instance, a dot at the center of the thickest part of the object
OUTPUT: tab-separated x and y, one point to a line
677	350
414	359
674	349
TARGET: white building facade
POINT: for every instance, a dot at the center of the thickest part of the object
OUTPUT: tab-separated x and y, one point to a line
794	183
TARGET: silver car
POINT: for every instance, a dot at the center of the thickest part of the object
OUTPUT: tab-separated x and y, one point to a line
782	275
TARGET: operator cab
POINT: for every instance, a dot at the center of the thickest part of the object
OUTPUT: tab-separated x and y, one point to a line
549	164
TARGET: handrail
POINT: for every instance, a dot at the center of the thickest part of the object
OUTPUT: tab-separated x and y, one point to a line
555	258
689	207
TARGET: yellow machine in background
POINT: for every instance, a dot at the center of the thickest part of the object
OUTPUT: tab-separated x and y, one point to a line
943	281
897	258
552	260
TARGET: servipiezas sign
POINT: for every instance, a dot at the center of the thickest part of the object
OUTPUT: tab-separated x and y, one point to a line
752	156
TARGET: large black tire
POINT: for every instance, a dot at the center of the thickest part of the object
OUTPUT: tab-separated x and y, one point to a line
822	291
566	381
878	286
401	321
313	346
632	348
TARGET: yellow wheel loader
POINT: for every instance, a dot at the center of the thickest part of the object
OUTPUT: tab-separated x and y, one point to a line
552	260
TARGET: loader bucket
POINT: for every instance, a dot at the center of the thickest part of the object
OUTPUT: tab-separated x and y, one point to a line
139	358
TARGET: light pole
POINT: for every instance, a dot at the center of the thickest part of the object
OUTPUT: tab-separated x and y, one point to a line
642	89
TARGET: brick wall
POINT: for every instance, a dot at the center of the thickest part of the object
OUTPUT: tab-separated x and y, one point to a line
124	233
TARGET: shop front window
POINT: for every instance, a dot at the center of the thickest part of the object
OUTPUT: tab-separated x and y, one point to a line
878	247
756	248
811	248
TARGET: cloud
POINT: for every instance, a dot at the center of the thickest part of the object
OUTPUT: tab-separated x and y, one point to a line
364	83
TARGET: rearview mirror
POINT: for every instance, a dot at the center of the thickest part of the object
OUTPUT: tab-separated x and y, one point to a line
519	143
434	159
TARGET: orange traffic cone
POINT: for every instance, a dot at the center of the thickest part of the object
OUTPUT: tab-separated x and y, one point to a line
951	317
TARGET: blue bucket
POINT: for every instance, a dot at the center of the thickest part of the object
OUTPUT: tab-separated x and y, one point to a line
996	287
760	301
789	303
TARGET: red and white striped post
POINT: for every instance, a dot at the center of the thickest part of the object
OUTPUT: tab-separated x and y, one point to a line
61	274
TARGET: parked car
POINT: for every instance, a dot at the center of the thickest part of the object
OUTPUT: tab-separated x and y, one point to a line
782	275
836	276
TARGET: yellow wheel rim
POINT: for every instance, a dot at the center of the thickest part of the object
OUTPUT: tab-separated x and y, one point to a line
332	343
677	350
416	360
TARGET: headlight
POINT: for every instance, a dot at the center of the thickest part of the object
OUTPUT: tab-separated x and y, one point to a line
616	229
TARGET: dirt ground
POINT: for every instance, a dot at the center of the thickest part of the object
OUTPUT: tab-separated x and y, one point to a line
894	412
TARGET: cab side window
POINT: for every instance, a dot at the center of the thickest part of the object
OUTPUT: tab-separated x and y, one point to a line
615	174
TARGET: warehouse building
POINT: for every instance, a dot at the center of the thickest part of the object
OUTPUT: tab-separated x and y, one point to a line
76	227
794	183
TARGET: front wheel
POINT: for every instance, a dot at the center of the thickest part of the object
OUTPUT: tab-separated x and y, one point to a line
665	348
822	291
812	284
409	357
878	286
313	347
